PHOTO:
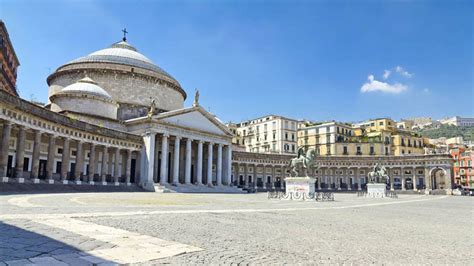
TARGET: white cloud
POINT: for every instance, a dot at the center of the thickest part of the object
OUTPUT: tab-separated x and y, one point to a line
403	72
375	85
386	74
426	90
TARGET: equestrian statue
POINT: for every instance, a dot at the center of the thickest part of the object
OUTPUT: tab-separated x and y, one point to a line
378	174
302	160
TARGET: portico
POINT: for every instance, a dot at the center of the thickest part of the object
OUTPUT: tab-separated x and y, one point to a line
204	140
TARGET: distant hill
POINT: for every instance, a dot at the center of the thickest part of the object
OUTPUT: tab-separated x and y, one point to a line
448	131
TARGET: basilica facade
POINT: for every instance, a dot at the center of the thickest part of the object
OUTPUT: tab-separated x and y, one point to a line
113	117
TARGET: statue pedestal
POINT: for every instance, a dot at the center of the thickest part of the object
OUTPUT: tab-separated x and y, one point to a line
376	190
300	184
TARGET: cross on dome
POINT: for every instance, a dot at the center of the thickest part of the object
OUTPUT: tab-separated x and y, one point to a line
124	34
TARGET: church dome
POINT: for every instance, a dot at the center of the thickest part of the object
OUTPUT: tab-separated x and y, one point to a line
121	53
86	86
126	76
84	97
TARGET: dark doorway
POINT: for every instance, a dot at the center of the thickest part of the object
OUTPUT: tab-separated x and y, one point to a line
42	169
26	162
58	167
9	166
133	166
73	170
193	179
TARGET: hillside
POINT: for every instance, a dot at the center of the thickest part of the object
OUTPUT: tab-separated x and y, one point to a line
448	132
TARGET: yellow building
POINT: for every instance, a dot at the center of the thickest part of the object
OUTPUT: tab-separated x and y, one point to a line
373	137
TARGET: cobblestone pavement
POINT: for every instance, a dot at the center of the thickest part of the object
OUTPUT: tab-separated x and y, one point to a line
152	228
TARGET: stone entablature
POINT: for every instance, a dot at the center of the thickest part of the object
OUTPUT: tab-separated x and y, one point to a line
26	114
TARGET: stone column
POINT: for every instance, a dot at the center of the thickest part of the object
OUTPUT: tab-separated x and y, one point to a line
4	146
282	178
188	158
237	174
255	185
273	177
427	180
227	165
414	179
148	162
79	162
264	177
35	160
20	154
219	165
338	179
128	167
392	179
92	164
105	161
177	142
116	166
228	159
164	160
320	178
209	165
403	179
65	160
246	176
51	155
199	164
359	183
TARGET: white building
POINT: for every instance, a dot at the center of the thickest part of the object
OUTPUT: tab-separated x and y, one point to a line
268	134
458	121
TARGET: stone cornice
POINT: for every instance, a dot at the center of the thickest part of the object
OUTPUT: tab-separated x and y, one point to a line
48	115
430	160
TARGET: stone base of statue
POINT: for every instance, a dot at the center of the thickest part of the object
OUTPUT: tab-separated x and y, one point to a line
376	190
300	185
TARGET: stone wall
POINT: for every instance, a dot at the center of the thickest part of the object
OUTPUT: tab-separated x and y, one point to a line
126	87
85	105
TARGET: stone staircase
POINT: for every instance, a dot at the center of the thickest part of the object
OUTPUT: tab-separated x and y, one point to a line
189	188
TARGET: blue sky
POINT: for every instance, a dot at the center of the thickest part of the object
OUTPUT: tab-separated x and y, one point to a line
317	60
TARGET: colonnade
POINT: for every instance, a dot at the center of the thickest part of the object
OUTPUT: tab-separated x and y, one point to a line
79	166
181	160
246	174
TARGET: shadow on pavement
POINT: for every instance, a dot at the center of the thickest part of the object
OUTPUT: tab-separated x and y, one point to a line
19	247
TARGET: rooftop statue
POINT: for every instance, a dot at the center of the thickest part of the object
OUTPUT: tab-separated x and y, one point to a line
302	160
152	109
196	98
378	174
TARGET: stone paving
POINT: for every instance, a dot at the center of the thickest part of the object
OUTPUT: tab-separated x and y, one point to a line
151	228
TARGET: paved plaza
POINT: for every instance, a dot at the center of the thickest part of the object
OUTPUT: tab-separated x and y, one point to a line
153	228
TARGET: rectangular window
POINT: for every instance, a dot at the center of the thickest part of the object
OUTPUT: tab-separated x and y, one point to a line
345	150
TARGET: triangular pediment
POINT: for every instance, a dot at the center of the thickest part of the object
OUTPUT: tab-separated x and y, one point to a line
194	118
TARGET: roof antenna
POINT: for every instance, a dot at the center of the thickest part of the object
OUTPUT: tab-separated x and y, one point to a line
124	34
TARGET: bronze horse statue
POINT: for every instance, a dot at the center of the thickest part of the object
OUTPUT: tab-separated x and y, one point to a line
302	160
